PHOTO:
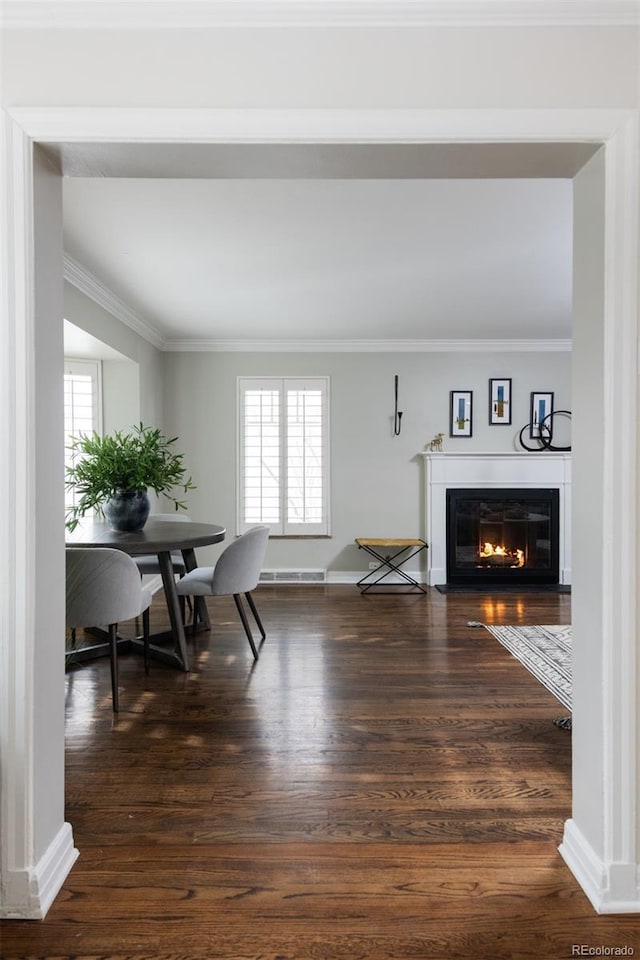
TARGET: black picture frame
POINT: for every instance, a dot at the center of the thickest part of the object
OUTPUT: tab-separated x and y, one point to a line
540	408
500	401
461	413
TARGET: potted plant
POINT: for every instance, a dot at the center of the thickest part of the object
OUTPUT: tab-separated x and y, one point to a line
112	475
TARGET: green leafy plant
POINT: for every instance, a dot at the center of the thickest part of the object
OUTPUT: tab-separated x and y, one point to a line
121	463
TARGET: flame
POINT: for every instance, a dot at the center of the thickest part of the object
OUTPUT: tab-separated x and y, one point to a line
496	550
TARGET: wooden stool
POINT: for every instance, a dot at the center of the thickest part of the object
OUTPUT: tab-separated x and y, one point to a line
373	546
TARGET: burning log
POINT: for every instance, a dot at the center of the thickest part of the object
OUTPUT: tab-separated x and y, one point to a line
500	556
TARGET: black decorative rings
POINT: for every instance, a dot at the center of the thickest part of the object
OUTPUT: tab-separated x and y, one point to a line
545	434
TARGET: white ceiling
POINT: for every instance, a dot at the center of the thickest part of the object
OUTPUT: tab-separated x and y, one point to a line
245	244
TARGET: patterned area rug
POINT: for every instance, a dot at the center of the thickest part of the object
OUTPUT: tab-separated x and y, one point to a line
545	651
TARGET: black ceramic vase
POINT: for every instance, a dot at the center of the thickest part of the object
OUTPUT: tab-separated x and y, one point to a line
128	510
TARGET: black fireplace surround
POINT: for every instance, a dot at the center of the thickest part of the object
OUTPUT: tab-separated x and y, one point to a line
503	536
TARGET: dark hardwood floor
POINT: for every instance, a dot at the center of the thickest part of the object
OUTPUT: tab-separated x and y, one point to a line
386	782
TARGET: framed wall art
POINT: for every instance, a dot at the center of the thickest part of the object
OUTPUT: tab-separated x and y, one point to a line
499	401
461	413
541	407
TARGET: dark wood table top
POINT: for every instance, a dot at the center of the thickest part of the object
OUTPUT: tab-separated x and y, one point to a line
157	536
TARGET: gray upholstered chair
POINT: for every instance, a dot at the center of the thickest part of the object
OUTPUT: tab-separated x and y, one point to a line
237	571
103	589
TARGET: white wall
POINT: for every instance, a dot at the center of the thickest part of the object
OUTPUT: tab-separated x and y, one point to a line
147	406
497	67
48	452
36	846
588	464
377	478
120	395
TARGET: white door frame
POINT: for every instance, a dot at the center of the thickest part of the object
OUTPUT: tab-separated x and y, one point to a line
608	868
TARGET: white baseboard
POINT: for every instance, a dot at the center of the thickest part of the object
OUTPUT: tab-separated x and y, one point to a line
344	576
611	888
154	583
35	888
353	576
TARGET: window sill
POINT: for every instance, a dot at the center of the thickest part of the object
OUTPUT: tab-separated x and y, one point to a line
300	536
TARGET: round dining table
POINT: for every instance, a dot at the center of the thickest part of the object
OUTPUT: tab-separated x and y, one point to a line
160	537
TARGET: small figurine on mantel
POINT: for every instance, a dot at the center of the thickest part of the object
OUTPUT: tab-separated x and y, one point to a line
436	443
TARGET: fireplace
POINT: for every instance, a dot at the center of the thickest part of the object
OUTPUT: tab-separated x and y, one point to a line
489	472
502	535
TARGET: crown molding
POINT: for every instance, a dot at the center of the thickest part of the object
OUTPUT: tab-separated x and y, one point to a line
198	14
95	289
368	346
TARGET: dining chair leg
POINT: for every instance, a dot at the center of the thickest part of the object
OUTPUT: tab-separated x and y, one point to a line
113	644
145	639
254	611
245	624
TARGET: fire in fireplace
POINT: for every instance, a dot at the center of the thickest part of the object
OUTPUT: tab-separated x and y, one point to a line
502	535
497	555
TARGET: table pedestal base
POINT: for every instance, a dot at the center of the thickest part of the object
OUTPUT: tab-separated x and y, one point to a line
132	645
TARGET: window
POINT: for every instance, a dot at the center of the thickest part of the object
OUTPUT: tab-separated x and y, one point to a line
284	455
82	409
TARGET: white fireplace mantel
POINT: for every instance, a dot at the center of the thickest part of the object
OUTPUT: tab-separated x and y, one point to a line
445	471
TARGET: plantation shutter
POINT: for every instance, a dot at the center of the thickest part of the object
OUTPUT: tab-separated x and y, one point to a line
82	413
283	455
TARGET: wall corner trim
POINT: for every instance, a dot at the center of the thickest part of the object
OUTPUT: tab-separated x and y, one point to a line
612	888
29	893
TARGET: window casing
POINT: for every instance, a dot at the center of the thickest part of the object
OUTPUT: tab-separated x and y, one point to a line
283	449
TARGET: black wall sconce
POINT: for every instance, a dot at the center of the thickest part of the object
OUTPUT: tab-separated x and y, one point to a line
397	416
